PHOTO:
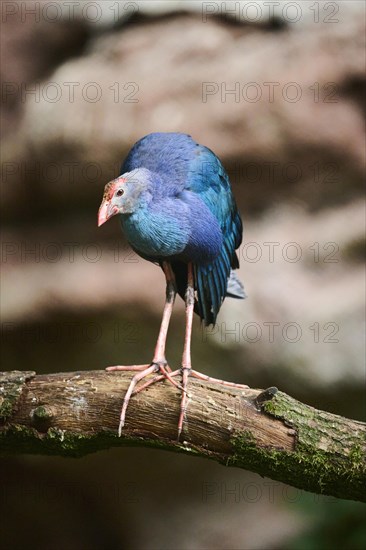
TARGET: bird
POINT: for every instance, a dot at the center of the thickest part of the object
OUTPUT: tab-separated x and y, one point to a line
177	210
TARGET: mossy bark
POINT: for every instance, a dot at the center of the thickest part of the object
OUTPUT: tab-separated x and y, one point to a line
267	432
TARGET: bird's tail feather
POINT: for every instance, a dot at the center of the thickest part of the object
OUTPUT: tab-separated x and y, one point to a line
212	285
235	288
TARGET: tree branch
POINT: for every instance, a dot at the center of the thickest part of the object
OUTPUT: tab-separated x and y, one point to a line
76	413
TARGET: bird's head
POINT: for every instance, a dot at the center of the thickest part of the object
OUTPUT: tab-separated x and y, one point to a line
125	194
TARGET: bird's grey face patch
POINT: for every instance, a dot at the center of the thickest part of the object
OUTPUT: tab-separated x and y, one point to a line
125	194
135	186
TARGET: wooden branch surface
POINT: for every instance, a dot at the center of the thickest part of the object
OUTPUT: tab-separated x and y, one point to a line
267	432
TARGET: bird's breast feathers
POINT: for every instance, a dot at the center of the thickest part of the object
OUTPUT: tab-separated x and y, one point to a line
156	232
179	227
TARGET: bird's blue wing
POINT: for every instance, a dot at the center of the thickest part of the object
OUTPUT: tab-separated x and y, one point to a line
208	179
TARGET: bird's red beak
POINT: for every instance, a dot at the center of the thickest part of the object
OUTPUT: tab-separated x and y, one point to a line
106	211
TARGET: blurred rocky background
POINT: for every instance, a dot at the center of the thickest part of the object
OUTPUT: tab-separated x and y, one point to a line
277	91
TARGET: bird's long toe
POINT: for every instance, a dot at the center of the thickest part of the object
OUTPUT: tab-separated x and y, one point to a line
201	376
186	371
127	368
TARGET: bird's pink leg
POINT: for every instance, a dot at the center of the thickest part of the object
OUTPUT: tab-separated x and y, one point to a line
159	363
186	359
126	398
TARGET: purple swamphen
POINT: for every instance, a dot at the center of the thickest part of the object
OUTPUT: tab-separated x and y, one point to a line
177	210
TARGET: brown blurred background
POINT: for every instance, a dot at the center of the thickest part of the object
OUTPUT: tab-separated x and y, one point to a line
277	91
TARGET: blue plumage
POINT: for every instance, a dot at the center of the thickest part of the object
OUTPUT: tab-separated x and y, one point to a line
184	211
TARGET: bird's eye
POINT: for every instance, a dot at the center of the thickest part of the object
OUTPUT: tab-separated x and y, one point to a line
119	192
